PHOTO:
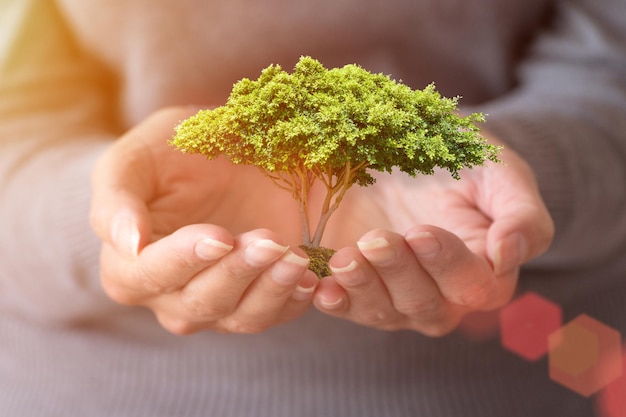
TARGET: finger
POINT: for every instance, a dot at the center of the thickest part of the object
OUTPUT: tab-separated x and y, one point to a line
216	291
165	265
331	298
176	317
120	219
270	300
522	227
517	237
463	277
367	300
123	181
413	291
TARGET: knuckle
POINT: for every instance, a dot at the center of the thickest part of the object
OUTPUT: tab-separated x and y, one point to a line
204	309
385	321
274	292
129	289
179	327
182	260
145	280
236	270
240	326
424	308
199	306
500	298
373	318
436	331
439	328
476	296
120	294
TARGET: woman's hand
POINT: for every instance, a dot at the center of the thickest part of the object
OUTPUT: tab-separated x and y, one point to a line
207	245
433	248
204	245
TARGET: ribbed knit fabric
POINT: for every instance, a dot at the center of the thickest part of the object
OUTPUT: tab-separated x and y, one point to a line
87	373
74	74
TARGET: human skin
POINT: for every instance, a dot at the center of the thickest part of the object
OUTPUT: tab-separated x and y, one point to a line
207	245
457	248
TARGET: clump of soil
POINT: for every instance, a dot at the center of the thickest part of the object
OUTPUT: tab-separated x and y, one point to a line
319	259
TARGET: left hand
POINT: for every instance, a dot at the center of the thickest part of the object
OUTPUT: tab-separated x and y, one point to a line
433	248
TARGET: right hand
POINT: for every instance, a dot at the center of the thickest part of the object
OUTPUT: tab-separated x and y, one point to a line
191	240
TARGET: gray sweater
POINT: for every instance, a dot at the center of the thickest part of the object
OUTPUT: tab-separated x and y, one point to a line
75	74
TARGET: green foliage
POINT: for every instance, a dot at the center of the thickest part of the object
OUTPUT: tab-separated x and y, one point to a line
322	119
335	126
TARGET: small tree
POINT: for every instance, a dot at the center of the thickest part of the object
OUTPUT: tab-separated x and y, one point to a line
333	126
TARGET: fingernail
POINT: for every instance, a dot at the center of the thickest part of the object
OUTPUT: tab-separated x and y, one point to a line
377	251
288	270
347	277
378	243
510	253
125	234
424	244
262	252
302	293
350	267
211	249
331	304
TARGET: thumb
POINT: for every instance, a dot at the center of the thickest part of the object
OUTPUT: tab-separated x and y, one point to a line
522	227
119	215
511	241
125	178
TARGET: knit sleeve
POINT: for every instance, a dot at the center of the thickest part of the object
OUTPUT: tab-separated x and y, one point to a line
567	118
54	122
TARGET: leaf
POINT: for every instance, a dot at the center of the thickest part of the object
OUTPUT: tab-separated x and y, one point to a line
337	125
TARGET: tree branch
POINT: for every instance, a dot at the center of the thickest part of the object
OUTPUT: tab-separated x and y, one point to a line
303	202
331	201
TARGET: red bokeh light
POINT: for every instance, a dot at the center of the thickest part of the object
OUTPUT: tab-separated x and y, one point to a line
585	355
526	323
611	401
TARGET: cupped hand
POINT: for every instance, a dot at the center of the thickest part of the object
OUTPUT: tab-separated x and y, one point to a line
202	244
431	249
206	245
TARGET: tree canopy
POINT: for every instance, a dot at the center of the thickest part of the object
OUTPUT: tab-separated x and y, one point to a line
335	126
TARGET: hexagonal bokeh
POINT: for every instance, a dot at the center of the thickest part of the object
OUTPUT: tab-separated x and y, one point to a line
585	355
526	323
611	402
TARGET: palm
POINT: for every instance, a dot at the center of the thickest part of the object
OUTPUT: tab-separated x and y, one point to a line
193	190
190	189
397	202
240	198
